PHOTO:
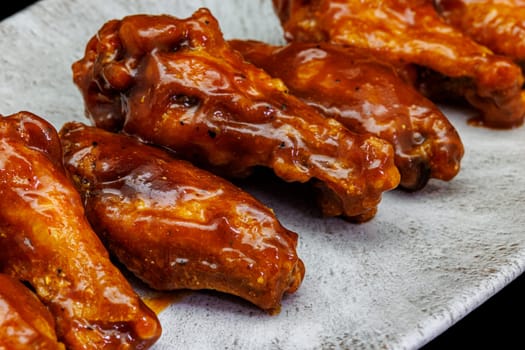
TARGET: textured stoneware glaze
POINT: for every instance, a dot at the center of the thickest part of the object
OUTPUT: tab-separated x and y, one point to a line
425	261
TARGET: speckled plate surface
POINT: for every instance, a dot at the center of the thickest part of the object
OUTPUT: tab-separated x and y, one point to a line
426	260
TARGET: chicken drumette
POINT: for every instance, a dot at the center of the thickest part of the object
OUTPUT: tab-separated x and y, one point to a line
497	24
177	226
448	63
47	242
25	323
366	96
177	83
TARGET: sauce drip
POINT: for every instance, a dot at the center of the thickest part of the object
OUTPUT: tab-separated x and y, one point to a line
160	301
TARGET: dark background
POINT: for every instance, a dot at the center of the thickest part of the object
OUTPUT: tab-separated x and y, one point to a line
497	324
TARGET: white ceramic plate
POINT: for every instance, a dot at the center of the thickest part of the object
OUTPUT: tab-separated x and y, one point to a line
425	261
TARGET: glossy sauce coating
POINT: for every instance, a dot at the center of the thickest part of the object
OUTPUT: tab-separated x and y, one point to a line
366	96
176	226
412	32
25	323
184	88
47	241
497	24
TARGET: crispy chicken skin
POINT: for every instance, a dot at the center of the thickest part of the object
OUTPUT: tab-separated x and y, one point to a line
449	63
497	24
366	96
178	84
177	226
47	242
25	323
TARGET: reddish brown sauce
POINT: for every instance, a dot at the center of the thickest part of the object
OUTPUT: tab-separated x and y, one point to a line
367	96
176	226
496	24
161	301
47	241
185	89
25	322
413	32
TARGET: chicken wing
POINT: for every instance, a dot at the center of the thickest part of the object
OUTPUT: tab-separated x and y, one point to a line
497	24
25	323
366	96
47	241
448	62
177	226
178	84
